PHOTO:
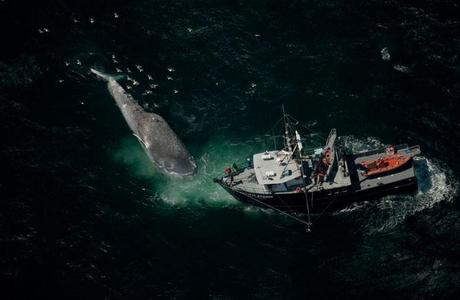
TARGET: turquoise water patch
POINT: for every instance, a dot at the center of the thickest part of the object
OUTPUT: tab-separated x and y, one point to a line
211	159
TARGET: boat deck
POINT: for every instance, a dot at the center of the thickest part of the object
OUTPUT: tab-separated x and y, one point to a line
361	182
246	180
279	163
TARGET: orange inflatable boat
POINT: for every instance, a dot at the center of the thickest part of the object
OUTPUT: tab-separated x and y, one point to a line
385	164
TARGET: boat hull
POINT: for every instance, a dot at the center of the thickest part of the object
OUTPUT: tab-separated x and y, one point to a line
332	195
321	201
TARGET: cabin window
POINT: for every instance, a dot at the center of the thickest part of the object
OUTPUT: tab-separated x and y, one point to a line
281	187
295	182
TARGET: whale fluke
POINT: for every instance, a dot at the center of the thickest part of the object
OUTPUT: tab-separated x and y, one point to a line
100	75
105	77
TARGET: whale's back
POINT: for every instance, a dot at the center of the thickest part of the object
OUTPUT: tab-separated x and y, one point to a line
163	145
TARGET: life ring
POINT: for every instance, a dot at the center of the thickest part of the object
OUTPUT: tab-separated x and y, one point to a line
327	155
298	189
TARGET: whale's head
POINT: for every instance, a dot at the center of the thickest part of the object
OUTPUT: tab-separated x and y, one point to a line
179	166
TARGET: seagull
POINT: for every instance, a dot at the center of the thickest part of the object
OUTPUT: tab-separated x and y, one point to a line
139	68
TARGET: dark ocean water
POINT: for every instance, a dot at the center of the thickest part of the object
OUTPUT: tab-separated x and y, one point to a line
84	215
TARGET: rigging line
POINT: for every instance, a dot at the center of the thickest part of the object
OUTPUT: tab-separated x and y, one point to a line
274	126
308	209
306	197
324	210
279	210
290	210
289	160
309	223
292	119
274	138
285	203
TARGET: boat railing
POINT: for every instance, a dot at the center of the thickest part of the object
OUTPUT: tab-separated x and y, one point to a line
251	189
380	150
412	151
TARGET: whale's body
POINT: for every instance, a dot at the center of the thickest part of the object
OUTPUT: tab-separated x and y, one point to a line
159	141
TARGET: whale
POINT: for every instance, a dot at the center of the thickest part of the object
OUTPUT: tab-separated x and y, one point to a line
159	141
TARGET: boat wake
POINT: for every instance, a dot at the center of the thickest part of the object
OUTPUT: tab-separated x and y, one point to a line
435	185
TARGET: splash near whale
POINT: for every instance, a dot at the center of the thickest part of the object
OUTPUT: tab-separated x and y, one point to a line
156	137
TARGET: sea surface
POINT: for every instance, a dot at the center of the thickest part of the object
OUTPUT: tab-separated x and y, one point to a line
85	215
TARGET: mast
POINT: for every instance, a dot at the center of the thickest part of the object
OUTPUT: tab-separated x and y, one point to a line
286	130
299	147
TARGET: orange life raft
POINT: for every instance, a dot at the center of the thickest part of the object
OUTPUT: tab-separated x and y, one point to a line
385	164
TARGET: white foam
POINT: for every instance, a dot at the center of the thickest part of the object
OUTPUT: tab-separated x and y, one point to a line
194	191
360	145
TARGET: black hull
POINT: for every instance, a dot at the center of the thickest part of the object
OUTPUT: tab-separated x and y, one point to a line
324	200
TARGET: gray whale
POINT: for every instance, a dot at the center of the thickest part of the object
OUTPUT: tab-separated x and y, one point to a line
159	141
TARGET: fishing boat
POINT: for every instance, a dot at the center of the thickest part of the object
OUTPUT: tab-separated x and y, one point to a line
292	179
